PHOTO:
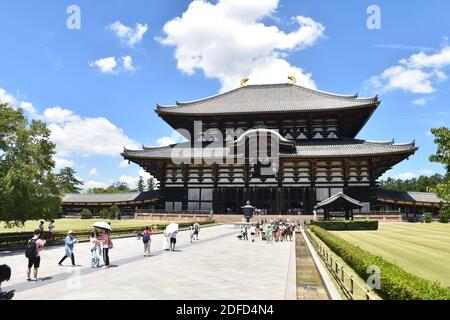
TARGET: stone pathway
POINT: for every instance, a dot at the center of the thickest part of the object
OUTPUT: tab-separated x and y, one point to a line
218	266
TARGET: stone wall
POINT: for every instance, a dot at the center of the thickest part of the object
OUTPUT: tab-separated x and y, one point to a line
226	218
171	216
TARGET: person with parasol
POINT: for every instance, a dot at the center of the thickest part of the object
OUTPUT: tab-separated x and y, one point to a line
107	243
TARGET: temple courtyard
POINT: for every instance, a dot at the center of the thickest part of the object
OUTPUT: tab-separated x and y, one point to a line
218	266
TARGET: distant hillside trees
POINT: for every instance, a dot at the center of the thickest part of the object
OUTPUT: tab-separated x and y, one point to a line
421	184
116	187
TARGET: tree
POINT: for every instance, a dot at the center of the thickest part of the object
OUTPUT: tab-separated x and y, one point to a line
117	187
140	184
442	189
422	183
151	184
442	139
28	186
67	182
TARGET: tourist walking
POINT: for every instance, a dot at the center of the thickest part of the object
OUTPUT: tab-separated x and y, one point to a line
191	233
253	232
196	230
33	253
166	240
244	232
51	230
146	240
107	244
95	245
269	233
173	240
69	244
5	275
41	228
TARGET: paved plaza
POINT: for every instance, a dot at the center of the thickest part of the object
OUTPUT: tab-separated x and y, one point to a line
218	266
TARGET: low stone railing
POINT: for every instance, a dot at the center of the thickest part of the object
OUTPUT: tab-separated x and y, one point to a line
171	216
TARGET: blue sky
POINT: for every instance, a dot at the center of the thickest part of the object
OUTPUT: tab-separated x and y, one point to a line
97	87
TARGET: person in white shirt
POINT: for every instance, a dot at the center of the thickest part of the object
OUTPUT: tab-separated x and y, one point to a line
5	275
253	232
51	230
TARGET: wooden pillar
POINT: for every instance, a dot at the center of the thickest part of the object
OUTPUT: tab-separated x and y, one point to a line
305	207
236	210
289	198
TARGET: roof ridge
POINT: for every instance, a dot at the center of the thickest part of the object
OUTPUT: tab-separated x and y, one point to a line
183	104
336	95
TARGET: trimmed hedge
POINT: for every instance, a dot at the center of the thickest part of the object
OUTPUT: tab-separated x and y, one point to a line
347	225
396	283
85	214
428	217
19	238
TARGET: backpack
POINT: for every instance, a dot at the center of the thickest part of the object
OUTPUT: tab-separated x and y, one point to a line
144	237
30	250
196	227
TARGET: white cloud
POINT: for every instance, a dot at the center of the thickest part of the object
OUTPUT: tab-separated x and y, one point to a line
236	44
400	77
114	65
5	97
105	65
420	101
74	135
411	175
165	141
123	164
128	63
127	35
91	184
175	137
59	115
416	74
406	175
426	172
423	60
132	181
62	163
93	172
28	107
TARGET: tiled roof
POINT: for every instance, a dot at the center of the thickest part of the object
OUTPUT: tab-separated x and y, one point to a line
109	197
408	196
339	196
350	147
309	149
268	98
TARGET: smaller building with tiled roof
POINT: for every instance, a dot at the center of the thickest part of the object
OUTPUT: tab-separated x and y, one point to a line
128	202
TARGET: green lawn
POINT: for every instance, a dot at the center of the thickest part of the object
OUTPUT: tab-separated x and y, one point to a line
419	248
67	224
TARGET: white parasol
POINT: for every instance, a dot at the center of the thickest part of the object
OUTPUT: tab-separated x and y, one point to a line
102	225
171	228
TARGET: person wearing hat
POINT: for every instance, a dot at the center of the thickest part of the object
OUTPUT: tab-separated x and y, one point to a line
69	243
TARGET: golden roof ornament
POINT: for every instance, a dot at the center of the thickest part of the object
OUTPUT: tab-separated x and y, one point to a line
292	79
244	81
